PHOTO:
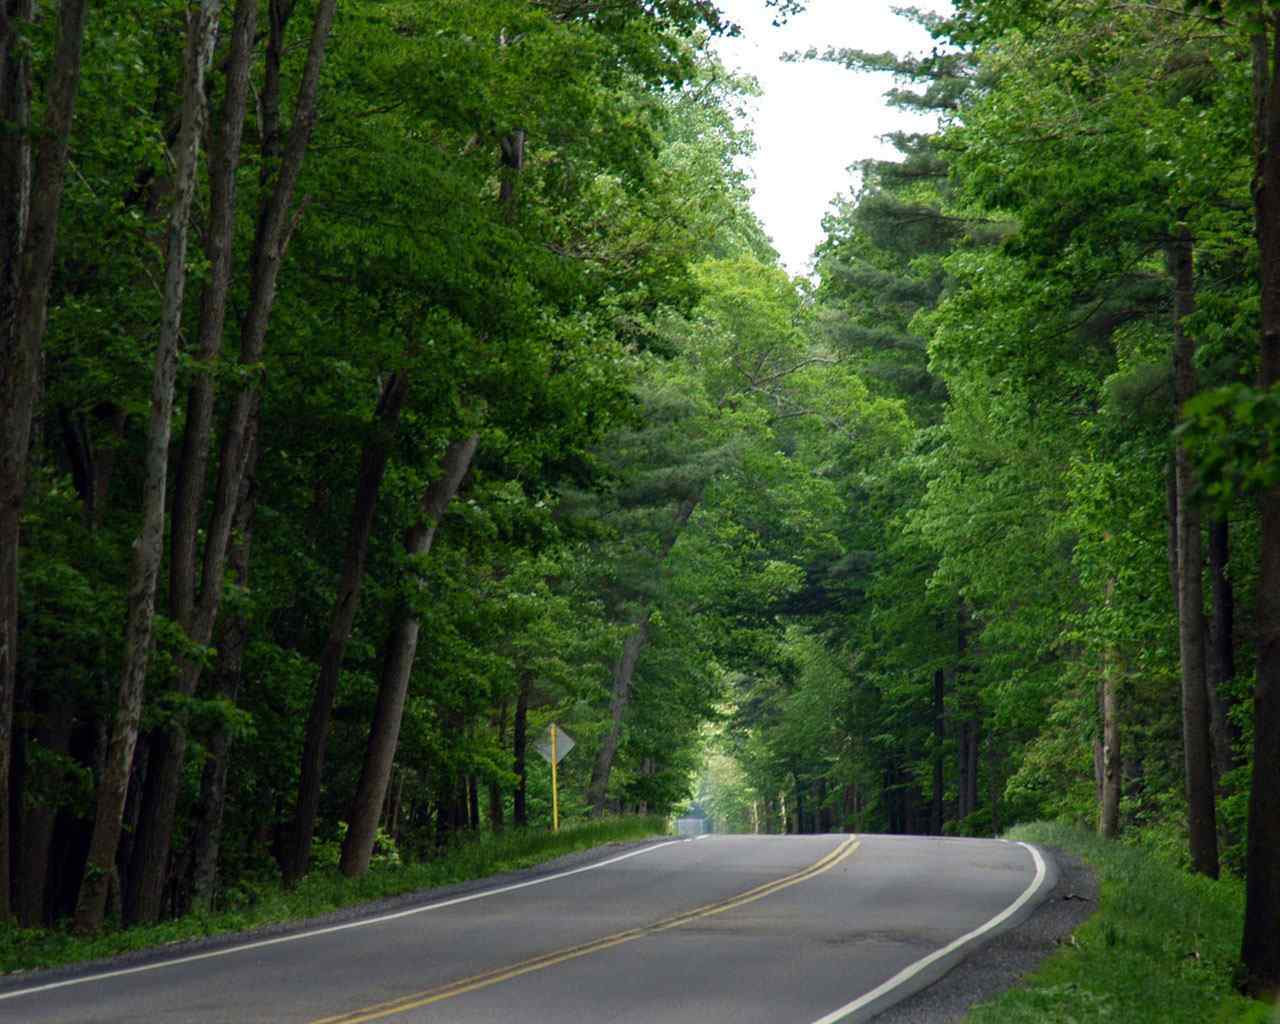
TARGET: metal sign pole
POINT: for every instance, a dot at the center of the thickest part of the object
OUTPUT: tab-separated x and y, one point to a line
555	795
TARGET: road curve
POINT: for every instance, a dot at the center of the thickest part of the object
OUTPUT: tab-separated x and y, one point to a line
741	929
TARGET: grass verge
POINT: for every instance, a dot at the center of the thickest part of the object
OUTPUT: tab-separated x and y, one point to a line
1161	948
323	891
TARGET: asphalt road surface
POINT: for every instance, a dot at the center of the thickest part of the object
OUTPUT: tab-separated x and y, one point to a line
732	929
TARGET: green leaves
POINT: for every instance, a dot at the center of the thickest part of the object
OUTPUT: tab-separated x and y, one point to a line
1234	434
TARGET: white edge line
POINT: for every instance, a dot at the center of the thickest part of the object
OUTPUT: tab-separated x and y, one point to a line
312	933
910	971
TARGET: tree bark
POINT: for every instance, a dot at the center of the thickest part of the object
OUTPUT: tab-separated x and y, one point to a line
38	823
208	817
1221	666
1197	745
939	741
1260	948
373	464
274	228
1112	774
623	672
219	248
384	733
29	205
496	810
519	752
202	26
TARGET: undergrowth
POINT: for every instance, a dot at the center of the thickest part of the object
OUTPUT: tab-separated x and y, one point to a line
324	890
1163	946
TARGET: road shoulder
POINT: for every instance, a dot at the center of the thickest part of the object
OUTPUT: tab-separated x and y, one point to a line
1001	962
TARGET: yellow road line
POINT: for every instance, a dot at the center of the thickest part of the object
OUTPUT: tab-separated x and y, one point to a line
417	1000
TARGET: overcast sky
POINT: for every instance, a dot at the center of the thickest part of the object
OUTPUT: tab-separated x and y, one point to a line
816	119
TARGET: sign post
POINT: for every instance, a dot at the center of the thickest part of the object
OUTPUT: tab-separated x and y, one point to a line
555	786
554	746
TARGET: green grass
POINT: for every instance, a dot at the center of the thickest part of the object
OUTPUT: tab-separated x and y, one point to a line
1162	947
322	891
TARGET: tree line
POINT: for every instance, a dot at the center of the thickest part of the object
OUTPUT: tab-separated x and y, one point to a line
316	323
1056	594
384	382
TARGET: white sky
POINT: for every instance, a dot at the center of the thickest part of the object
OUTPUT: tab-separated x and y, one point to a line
816	119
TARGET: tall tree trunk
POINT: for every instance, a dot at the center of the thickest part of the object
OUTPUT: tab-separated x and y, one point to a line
623	673
219	248
939	742
29	205
1197	745
373	464
1221	666
1260	948
496	822
54	734
202	26
1112	775
211	807
824	809
402	647
624	670
275	226
994	785
519	752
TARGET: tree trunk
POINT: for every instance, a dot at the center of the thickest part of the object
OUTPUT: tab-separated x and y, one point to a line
519	751
963	809
148	547
623	672
1260	948
1112	776
38	822
219	248
473	803
207	824
939	742
824	809
384	733
373	464
496	822
973	747
1197	745
994	786
29	207
1221	666
512	152
1171	519
275	226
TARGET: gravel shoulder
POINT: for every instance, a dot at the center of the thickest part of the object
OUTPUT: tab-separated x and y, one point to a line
1000	964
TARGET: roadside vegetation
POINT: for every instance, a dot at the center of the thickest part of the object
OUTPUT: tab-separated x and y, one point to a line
1162	946
258	904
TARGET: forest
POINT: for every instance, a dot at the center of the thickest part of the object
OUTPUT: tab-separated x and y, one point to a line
382	382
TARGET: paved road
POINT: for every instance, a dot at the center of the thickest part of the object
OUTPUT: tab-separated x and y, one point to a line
737	929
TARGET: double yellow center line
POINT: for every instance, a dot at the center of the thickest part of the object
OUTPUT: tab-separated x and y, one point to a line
417	1000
